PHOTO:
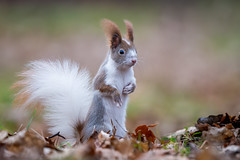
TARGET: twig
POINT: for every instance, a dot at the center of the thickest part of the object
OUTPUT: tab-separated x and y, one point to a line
203	144
19	128
114	130
38	134
57	134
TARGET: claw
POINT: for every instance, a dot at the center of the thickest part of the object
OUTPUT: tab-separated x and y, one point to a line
117	100
129	88
118	104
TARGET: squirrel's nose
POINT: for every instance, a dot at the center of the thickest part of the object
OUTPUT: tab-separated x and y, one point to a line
134	61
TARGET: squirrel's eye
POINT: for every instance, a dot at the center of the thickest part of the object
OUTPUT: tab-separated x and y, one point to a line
121	51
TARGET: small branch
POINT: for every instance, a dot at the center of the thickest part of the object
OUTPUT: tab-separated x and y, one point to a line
203	144
57	134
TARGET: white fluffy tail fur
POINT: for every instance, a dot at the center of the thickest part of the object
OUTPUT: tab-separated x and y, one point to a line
63	90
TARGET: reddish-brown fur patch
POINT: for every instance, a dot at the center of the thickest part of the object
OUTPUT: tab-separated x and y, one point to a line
78	128
107	89
124	45
99	80
22	97
110	91
112	33
129	27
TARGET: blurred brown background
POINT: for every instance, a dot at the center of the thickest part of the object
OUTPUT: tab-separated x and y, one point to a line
189	60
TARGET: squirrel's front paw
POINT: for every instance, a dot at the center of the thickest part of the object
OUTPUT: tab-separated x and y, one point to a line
129	88
117	100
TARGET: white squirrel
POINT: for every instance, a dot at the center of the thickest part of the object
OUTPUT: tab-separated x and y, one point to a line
73	105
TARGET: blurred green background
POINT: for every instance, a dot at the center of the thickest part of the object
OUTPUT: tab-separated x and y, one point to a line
189	60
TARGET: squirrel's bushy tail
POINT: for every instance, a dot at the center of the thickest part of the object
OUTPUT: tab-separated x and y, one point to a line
62	88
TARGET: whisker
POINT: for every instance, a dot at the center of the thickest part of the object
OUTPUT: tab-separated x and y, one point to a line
139	65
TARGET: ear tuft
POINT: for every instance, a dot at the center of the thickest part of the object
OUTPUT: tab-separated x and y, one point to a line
129	27
112	32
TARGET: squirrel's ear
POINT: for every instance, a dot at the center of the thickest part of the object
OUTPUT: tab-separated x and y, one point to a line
112	33
129	27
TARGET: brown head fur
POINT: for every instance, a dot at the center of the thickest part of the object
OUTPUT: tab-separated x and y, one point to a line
118	44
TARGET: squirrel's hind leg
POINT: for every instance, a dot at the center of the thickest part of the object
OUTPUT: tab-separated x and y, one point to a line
95	119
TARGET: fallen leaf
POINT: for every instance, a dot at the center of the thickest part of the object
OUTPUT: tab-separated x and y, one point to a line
144	131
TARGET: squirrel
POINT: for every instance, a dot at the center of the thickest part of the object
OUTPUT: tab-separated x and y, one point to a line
75	106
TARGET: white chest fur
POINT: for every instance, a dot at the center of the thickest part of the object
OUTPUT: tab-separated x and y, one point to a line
118	79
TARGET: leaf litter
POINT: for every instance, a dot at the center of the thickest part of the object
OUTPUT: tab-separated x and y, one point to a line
212	137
